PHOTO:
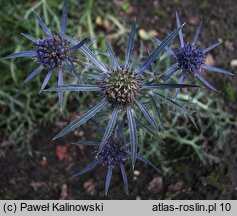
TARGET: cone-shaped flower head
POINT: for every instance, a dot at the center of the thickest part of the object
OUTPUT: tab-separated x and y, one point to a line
114	153
121	87
190	59
52	52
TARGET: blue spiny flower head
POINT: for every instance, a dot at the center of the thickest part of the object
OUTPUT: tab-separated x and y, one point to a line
51	52
190	59
114	152
122	88
113	156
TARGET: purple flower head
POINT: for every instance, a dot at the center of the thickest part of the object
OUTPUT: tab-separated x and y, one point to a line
52	52
114	153
190	59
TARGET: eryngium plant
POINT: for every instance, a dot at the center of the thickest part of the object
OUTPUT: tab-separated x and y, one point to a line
52	52
122	87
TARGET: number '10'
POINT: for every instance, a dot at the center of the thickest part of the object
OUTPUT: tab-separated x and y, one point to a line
225	206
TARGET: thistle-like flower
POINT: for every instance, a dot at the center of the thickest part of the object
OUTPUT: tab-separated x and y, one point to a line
190	59
122	87
51	52
113	155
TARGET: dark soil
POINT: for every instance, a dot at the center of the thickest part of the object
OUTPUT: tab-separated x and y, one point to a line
28	177
46	173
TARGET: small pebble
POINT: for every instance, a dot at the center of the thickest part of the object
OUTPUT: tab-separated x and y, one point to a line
156	184
136	172
233	63
229	45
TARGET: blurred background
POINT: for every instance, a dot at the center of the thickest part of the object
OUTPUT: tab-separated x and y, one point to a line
195	164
